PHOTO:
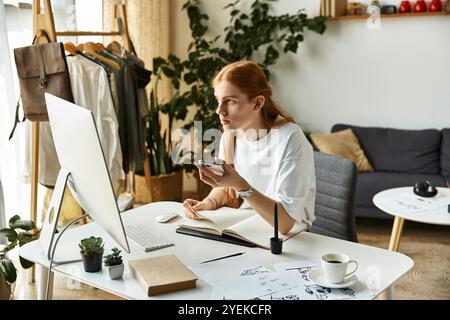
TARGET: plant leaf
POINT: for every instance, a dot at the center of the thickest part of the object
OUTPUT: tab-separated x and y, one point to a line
22	224
8	270
10	234
25	263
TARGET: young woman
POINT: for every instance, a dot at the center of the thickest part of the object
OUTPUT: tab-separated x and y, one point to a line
267	158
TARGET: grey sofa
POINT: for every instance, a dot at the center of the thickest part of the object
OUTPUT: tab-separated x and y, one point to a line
399	158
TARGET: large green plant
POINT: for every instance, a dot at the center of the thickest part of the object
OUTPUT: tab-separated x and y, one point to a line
19	233
246	34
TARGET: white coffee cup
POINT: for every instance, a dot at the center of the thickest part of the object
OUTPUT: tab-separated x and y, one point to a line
335	267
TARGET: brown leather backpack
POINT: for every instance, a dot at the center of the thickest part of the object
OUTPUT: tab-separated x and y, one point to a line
41	68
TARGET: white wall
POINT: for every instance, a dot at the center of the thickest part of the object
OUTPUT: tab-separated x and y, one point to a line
398	76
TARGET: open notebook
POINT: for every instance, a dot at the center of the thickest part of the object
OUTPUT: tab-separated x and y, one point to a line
245	225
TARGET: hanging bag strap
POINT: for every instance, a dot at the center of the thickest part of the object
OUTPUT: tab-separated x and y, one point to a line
41	34
16	119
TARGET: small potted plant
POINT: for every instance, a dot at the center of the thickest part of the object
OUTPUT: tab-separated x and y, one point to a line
114	264
92	253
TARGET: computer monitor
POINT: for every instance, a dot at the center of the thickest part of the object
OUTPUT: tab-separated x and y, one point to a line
80	155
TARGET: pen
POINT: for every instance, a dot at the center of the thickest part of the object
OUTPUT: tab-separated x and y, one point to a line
231	255
275	222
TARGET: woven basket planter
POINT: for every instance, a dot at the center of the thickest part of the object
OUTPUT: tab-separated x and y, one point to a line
5	289
165	187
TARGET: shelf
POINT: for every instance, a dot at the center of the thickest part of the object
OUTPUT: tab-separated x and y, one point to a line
394	15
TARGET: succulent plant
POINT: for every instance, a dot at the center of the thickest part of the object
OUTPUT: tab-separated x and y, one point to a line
114	258
92	245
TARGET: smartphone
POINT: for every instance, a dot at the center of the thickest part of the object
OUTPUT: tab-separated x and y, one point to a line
214	167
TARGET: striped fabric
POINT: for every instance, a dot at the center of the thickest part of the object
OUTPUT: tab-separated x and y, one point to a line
335	184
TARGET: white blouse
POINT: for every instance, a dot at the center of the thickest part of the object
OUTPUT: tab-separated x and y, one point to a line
281	166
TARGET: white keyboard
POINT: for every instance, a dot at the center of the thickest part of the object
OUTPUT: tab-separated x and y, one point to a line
143	237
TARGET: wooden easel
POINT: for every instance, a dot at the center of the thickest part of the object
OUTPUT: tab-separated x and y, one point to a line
44	21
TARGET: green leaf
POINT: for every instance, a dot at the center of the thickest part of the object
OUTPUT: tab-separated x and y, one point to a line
22	224
176	83
25	263
8	270
168	72
13	220
157	63
10	234
173	58
189	78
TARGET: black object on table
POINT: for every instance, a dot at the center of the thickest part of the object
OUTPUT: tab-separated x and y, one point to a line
276	243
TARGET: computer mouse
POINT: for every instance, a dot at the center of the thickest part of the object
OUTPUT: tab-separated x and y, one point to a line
166	217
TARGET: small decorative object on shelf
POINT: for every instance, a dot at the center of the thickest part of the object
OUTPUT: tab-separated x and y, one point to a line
114	264
389	9
447	7
354	9
435	6
405	7
92	253
420	6
376	3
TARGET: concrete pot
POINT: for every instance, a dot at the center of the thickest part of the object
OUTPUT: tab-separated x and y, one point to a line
116	272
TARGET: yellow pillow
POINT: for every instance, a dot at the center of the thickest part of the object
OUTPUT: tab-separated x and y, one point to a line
344	144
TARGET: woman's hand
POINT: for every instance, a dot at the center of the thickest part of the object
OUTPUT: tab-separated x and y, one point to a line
191	207
229	179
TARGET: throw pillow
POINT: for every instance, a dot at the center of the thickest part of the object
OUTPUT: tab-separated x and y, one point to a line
344	144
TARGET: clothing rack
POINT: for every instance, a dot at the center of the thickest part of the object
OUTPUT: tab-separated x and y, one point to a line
44	21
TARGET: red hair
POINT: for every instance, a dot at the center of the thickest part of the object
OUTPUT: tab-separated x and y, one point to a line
250	79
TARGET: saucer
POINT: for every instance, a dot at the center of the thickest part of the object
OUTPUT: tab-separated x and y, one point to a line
317	276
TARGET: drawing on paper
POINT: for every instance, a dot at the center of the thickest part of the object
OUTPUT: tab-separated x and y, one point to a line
253	271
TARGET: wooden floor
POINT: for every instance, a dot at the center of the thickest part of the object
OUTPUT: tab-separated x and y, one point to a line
427	245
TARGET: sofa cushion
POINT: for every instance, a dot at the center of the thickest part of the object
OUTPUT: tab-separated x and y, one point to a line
342	144
445	153
369	184
412	151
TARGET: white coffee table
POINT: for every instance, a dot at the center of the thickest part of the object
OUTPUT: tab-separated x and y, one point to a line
438	216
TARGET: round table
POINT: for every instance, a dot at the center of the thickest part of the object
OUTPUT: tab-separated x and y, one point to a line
439	216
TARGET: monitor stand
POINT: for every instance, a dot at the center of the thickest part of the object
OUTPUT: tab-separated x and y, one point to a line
48	238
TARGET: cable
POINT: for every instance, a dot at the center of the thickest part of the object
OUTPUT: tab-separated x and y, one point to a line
54	249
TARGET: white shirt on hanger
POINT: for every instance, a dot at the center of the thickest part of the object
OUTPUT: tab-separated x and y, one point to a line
281	166
90	88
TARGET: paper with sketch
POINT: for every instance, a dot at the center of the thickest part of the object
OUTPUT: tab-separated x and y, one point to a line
240	278
296	273
246	225
411	203
218	272
251	287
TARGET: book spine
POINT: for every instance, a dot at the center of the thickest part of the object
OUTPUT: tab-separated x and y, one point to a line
139	279
155	290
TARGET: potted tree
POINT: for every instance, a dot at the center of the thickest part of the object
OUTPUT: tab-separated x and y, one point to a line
114	264
19	233
166	181
92	253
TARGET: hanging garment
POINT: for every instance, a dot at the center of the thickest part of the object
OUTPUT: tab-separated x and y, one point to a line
129	115
90	87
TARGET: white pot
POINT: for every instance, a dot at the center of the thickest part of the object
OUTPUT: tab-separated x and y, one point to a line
116	272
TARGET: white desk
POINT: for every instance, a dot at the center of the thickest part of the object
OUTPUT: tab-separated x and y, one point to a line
438	216
192	250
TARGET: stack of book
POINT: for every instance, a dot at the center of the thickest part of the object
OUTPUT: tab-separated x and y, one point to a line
333	8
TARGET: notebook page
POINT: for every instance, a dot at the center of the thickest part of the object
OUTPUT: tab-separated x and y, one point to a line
258	231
